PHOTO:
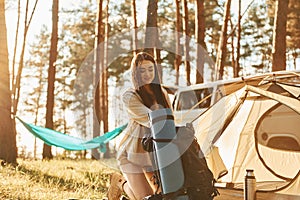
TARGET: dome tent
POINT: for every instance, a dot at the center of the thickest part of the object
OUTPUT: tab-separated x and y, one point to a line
256	127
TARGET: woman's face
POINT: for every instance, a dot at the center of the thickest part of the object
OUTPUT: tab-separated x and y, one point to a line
147	72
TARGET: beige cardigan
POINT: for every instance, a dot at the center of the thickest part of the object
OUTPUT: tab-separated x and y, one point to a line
130	148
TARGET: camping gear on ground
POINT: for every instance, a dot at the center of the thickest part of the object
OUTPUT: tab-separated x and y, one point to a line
250	185
182	169
256	127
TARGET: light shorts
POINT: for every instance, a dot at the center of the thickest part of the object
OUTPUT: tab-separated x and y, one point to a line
126	166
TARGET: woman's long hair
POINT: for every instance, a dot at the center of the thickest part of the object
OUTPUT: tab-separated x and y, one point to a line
155	85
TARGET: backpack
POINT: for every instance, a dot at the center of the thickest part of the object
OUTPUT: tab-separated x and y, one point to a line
198	179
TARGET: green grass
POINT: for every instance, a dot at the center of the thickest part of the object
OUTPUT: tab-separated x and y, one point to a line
56	179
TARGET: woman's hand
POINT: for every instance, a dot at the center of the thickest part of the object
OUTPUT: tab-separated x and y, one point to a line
156	106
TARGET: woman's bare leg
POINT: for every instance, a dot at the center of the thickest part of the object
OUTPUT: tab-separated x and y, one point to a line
128	191
151	181
138	184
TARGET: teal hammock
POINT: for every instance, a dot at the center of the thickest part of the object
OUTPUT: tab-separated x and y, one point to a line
58	139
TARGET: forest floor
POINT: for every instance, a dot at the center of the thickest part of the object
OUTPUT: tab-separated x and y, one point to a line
56	179
76	179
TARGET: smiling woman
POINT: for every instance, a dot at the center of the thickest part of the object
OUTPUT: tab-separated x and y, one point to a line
134	162
146	71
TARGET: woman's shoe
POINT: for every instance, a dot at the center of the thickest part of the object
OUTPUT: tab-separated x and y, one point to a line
124	198
116	186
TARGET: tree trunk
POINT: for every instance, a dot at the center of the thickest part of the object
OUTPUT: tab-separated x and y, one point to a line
295	56
221	54
152	43
16	44
177	61
98	77
200	34
39	93
151	27
134	36
17	85
236	69
8	148
104	83
47	154
186	42
279	36
233	60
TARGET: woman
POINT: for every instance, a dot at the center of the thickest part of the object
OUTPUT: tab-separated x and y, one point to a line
135	163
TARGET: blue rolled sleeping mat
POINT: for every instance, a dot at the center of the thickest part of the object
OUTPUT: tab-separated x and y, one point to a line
166	152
